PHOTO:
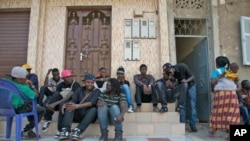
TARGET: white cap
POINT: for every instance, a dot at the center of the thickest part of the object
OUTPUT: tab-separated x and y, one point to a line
19	72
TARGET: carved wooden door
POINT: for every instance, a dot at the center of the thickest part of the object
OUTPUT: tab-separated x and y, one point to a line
88	41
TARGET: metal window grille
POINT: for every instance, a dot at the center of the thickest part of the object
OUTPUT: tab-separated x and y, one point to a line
190	4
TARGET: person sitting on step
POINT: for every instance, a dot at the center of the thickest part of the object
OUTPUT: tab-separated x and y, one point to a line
166	90
81	109
101	79
112	105
50	85
62	95
144	91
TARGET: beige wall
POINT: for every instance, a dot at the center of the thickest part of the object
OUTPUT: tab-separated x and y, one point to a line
48	32
229	31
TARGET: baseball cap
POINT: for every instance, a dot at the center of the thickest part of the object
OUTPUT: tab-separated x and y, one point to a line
26	66
89	76
66	73
166	67
19	72
121	70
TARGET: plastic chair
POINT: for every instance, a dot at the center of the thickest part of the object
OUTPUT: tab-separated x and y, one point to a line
7	110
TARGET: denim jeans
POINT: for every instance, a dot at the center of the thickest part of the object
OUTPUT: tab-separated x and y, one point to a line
192	101
245	111
139	96
126	90
28	108
106	115
82	116
165	94
43	91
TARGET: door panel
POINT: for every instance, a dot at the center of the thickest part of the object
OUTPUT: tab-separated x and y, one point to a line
88	41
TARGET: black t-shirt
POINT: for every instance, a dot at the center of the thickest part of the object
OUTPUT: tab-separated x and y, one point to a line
62	85
183	72
80	93
125	82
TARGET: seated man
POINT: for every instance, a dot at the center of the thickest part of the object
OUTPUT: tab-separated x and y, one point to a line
144	92
31	76
81	109
244	101
62	95
101	79
112	105
19	75
50	85
166	90
125	86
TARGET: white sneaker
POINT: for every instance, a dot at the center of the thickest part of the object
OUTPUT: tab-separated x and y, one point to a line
46	124
130	109
57	135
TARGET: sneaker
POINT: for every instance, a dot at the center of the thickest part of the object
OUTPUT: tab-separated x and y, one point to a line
193	128
130	109
156	109
64	133
46	124
163	109
57	135
28	134
76	134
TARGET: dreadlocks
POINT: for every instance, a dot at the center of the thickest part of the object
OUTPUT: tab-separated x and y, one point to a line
222	61
116	85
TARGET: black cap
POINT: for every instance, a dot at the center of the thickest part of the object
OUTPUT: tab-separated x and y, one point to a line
166	67
120	70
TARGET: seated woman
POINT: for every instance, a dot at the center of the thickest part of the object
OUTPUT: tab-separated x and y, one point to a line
244	101
101	79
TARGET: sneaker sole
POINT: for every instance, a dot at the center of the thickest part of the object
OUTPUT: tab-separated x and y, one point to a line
61	138
45	130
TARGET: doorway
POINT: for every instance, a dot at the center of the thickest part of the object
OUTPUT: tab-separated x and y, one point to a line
194	52
88	40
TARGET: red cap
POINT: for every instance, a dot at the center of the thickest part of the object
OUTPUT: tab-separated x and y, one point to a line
66	73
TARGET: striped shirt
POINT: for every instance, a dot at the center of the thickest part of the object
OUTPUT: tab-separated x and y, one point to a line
114	100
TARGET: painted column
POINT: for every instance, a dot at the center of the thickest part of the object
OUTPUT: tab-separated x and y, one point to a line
163	32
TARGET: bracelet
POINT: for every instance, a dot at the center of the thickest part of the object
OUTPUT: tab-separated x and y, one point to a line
77	106
33	87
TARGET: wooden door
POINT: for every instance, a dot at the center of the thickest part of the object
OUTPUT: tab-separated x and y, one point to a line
88	41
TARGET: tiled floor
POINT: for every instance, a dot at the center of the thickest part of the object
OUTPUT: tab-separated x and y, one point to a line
201	135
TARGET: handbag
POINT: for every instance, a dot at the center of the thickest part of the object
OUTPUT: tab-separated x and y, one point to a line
66	91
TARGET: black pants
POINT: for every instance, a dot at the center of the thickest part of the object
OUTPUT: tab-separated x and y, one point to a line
166	94
52	99
26	107
82	116
43	91
141	97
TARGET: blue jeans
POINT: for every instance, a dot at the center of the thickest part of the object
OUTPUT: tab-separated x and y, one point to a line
126	90
106	115
245	111
191	94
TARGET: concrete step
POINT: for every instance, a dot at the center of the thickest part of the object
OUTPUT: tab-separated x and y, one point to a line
145	123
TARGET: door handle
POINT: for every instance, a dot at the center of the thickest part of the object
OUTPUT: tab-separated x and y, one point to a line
81	55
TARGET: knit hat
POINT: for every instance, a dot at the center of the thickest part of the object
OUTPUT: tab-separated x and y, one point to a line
66	73
89	76
121	70
27	66
19	72
166	67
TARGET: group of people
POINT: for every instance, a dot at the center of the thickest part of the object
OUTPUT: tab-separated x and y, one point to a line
100	97
230	100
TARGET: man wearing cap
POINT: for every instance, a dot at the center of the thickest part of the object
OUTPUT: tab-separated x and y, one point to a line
186	87
63	94
166	90
125	87
31	76
19	78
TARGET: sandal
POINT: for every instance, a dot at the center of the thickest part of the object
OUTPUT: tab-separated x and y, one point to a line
211	134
